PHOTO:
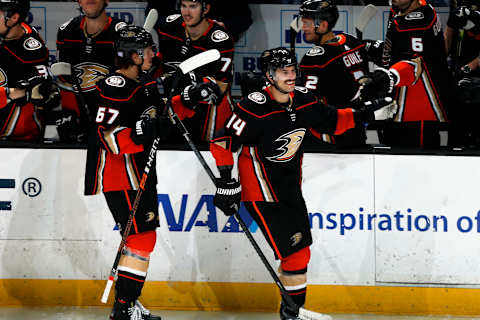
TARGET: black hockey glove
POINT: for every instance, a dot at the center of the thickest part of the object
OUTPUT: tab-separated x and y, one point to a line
38	87
464	17
145	131
457	18
377	84
206	91
366	112
228	196
68	127
374	50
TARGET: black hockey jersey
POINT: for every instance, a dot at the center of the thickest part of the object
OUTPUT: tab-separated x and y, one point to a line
419	34
331	71
18	58
175	47
92	56
114	161
270	136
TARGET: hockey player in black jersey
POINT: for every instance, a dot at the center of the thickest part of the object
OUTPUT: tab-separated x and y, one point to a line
26	84
331	69
270	127
128	116
187	34
417	75
86	42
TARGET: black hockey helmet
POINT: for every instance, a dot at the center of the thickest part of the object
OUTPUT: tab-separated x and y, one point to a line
203	2
320	10
10	7
132	39
273	59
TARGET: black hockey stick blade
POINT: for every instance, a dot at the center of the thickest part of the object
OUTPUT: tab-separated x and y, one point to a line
295	27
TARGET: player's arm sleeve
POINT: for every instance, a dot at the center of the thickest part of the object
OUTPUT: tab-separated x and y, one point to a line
117	140
328	119
407	71
111	135
239	129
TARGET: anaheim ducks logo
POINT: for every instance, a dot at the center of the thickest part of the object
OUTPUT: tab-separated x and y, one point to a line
292	141
296	238
150	216
3	78
89	73
149	113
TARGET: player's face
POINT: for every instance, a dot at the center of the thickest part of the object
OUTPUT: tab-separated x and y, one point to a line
148	55
191	12
308	29
285	78
92	8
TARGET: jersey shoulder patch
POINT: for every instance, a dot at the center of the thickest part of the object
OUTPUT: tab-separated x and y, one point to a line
421	18
32	44
172	17
257	97
117	88
219	36
316	51
115	81
301	89
119	25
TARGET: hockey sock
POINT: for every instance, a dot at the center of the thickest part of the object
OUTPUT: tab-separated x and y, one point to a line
293	274
133	265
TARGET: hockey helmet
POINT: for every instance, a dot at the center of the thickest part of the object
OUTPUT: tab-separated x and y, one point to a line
277	58
320	10
132	39
10	7
203	3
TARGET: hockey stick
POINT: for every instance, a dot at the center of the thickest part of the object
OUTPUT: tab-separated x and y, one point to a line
303	313
295	27
363	20
185	67
150	20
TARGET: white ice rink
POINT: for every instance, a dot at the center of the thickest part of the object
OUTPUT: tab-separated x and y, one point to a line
68	313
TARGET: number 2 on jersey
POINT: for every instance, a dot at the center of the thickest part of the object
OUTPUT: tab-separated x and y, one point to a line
236	124
101	114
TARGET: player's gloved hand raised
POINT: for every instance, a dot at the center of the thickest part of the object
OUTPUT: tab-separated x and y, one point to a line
464	18
378	109
206	91
377	84
228	196
38	86
145	130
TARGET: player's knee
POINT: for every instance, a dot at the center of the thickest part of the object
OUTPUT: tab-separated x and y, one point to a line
297	262
143	242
